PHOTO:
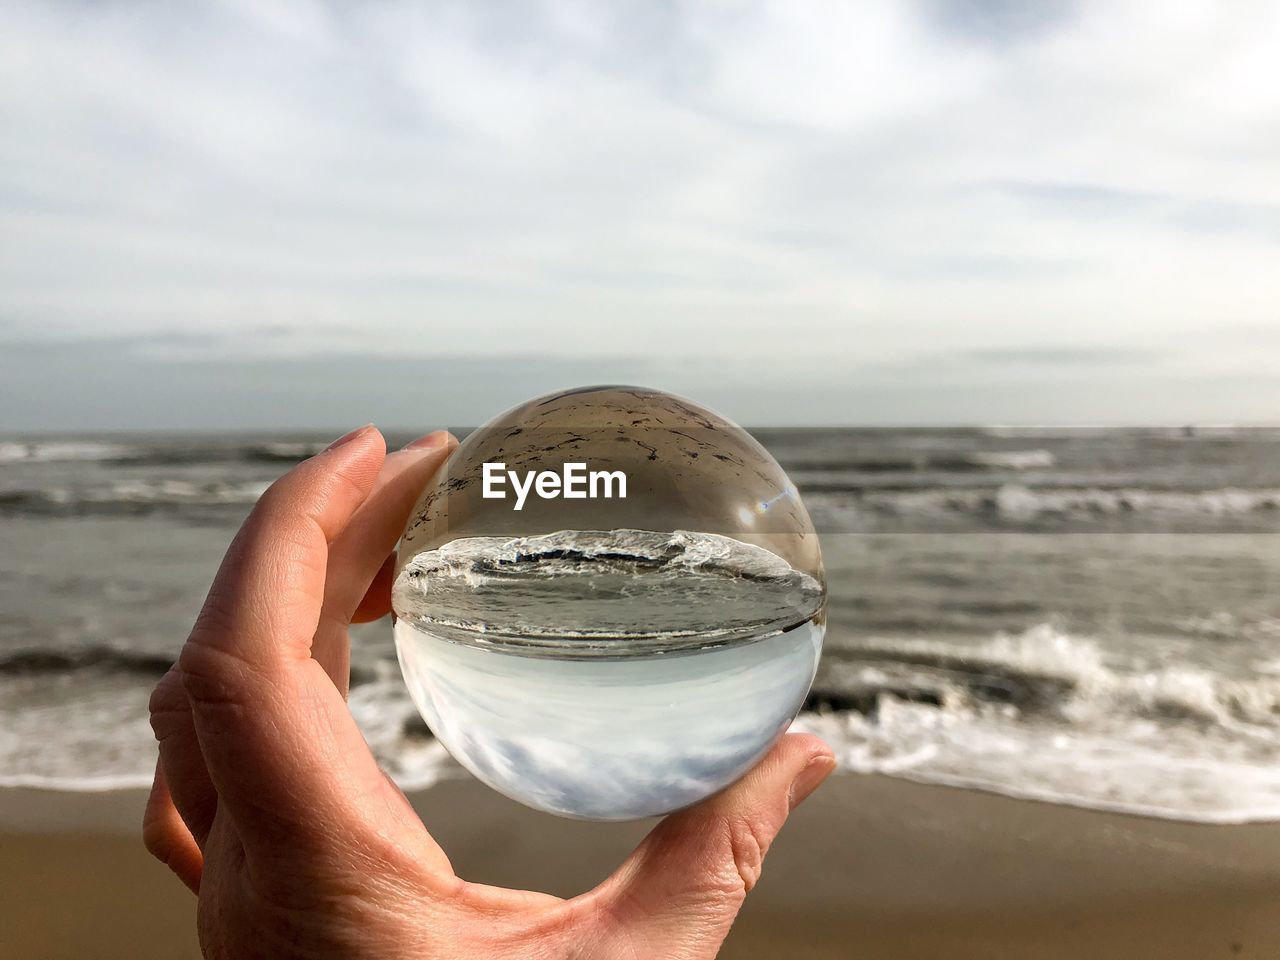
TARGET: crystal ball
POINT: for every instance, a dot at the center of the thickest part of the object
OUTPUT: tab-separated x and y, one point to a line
609	603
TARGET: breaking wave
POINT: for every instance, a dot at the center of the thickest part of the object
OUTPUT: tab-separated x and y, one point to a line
604	592
131	497
1019	503
161	452
112	659
1040	715
934	462
16	451
1044	715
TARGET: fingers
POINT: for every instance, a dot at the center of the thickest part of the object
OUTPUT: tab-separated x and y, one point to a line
181	762
357	555
280	746
167	837
265	602
193	795
678	894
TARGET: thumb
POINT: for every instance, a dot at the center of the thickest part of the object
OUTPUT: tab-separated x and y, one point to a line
679	892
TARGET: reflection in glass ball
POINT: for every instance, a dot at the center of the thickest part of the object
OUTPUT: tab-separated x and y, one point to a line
635	631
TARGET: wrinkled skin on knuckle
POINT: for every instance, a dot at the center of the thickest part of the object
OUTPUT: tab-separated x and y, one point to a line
228	609
746	842
286	497
215	675
613	934
558	931
215	616
357	912
337	867
168	704
355	916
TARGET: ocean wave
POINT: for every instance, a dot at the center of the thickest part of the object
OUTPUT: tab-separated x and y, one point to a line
158	452
1056	674
1014	459
952	462
13	451
1042	714
100	657
604	592
1022	502
131	497
80	722
1140	772
1224	625
1184	432
282	451
70	783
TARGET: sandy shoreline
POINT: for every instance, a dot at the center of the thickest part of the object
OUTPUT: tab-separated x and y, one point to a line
868	867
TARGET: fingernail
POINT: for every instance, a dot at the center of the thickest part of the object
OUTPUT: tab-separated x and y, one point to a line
817	770
348	437
431	441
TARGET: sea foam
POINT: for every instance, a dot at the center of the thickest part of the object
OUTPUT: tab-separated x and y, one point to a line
1040	715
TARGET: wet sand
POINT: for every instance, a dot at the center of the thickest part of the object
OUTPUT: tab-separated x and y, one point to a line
869	867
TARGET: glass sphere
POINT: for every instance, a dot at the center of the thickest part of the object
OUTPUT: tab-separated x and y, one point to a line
610	603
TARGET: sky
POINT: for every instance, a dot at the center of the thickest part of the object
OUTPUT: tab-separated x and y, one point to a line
290	213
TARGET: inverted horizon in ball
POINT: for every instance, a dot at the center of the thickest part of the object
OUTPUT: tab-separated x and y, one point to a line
620	654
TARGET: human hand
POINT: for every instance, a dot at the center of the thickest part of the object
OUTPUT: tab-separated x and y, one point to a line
269	805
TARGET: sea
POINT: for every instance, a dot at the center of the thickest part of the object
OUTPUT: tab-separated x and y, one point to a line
1072	615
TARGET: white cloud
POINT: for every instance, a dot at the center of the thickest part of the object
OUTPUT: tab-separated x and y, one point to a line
802	185
834	67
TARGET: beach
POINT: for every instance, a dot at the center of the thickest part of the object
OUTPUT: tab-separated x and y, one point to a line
869	867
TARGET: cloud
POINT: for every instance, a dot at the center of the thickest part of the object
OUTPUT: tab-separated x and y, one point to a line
736	186
1065	356
999	22
1193	213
